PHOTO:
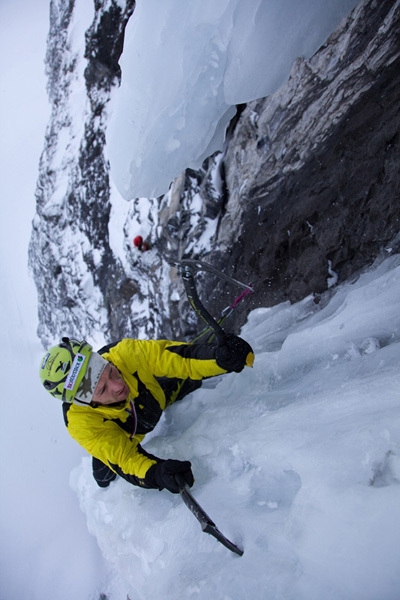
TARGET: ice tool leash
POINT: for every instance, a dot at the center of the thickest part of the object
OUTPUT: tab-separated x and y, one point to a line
186	268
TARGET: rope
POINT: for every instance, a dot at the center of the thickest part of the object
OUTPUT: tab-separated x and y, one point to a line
134	415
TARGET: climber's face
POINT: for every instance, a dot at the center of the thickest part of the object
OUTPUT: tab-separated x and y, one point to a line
111	387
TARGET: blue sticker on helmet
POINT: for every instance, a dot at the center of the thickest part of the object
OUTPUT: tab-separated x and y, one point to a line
45	359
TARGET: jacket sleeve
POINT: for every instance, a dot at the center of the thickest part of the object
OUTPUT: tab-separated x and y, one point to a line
106	441
164	358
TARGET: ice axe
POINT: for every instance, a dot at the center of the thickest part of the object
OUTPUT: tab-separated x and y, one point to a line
186	271
186	268
207	524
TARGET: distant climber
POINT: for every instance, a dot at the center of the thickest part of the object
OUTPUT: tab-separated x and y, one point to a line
140	244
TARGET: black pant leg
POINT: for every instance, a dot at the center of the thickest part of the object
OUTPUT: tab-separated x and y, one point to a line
102	473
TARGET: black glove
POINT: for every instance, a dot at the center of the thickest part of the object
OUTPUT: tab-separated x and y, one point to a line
232	355
164	472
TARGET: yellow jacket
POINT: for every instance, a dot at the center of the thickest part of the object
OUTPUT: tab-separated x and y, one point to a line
155	371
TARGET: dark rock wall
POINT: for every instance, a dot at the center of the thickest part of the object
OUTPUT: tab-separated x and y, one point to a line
313	172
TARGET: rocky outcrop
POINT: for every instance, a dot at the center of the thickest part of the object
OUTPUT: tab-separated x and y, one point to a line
304	195
313	171
79	280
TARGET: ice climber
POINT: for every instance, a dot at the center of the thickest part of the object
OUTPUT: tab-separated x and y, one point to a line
140	244
112	398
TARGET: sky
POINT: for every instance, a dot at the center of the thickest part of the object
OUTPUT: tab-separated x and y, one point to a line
43	532
24	114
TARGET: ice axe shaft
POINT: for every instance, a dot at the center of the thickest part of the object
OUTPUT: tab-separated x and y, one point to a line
196	304
207	524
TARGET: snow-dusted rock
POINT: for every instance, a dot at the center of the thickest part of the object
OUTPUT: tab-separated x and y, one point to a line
304	194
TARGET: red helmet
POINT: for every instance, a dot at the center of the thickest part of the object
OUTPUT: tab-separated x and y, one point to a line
138	241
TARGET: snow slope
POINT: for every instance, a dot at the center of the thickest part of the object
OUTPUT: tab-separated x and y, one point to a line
297	460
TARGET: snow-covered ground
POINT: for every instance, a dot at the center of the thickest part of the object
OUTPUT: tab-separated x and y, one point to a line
296	460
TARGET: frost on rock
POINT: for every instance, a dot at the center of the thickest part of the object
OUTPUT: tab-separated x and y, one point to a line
69	252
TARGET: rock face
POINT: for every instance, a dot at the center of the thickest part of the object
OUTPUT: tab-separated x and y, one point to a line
313	171
76	273
304	195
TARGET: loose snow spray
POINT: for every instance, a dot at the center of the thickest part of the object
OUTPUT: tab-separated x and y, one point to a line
297	460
